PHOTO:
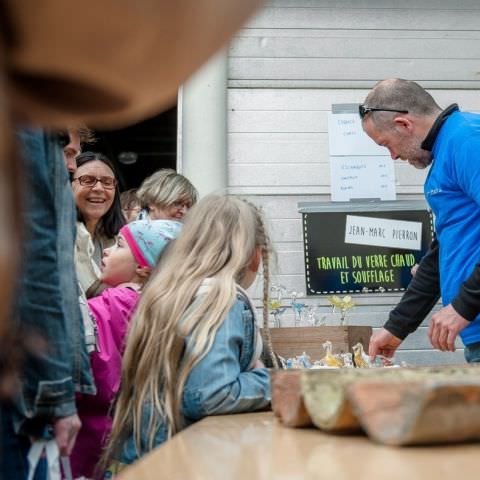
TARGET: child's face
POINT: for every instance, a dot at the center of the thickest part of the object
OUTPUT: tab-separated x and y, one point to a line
252	270
118	264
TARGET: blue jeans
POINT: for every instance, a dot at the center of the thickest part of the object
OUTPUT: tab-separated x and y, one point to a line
13	451
472	353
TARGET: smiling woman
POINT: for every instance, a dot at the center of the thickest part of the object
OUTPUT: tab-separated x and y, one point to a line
100	216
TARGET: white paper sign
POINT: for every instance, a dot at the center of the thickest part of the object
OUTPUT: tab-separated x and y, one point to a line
362	177
346	136
382	232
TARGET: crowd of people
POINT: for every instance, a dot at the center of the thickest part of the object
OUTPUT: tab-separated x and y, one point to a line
67	304
131	314
130	318
160	331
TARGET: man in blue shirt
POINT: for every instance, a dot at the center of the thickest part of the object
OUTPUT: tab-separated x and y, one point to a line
401	116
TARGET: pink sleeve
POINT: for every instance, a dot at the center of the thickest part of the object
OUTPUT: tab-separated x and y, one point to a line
112	310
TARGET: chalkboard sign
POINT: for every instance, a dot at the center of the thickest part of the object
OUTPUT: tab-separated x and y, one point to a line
363	247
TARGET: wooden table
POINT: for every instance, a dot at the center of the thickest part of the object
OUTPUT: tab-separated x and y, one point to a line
256	447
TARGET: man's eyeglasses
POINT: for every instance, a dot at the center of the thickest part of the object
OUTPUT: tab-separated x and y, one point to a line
90	181
363	110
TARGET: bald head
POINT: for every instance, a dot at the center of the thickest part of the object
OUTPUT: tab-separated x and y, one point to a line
403	129
398	94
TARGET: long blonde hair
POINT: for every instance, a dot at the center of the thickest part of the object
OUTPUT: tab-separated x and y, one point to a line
219	239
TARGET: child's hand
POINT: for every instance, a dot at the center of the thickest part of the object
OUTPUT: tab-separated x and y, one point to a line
258	364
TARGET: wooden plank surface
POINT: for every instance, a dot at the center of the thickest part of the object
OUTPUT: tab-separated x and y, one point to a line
358	32
315	99
377	4
298	174
322	43
256	447
345	69
426	18
347	84
354	44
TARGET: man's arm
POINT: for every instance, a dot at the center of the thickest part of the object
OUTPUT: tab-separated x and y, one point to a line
467	302
420	297
449	321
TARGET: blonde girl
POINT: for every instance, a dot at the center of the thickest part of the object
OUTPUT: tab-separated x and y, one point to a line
125	268
194	347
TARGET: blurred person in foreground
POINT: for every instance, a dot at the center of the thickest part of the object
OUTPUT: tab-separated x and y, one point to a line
46	315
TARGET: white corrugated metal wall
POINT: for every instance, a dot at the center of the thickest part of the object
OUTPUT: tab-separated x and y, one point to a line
287	67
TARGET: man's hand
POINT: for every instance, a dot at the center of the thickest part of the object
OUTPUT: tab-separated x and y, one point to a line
414	269
65	430
382	342
444	328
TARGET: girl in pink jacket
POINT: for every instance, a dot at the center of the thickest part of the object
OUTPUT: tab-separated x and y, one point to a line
125	266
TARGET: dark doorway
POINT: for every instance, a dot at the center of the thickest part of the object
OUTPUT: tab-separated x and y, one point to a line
141	149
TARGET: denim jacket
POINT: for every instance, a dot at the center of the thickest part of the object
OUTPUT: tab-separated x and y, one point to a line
223	382
47	306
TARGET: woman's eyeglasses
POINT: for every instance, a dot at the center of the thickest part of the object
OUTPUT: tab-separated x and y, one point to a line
90	181
132	208
179	205
363	110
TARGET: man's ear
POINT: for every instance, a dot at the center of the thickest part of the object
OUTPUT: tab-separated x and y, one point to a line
404	123
256	259
143	272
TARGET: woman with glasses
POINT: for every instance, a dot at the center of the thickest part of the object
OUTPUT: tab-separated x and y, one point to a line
166	195
99	216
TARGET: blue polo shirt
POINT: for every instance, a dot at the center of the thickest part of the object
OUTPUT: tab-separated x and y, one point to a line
452	190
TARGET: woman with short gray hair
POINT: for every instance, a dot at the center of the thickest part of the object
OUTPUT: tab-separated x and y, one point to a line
166	195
